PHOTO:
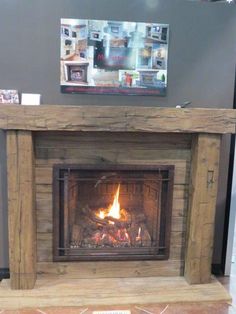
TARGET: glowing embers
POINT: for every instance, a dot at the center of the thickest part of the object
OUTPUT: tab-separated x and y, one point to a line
110	227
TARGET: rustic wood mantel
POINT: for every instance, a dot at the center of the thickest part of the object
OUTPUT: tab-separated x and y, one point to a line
117	119
205	125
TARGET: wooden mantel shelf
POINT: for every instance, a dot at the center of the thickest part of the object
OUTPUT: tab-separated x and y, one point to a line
117	119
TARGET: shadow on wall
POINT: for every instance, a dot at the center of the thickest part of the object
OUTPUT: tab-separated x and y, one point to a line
3	208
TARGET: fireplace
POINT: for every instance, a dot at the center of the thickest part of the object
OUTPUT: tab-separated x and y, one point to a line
148	78
76	72
105	136
112	212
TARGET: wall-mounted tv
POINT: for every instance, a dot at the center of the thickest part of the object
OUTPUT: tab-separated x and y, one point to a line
120	57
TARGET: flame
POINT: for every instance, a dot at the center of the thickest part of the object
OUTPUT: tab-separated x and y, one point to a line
101	214
127	236
139	232
138	238
114	210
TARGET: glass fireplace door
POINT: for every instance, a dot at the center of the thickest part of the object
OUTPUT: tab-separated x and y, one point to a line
115	213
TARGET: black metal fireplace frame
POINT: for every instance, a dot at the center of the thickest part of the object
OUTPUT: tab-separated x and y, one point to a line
121	254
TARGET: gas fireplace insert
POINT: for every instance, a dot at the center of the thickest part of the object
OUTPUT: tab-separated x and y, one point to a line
111	212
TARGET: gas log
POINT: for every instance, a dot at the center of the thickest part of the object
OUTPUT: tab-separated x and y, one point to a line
92	231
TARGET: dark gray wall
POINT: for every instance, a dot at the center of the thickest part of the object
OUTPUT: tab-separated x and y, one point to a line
202	53
201	50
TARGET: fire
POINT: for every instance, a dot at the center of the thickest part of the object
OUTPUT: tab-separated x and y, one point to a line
139	232
117	230
101	214
138	238
114	209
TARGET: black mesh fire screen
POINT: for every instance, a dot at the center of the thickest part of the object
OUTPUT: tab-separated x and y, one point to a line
112	212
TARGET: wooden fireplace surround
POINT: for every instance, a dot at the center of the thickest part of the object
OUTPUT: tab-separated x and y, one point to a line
205	125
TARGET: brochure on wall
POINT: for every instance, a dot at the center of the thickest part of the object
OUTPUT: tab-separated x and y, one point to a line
9	96
113	57
30	99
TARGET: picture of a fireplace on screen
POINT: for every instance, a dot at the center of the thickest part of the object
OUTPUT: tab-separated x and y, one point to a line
113	57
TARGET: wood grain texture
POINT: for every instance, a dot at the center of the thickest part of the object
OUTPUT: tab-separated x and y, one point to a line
62	291
112	148
109	269
21	213
95	148
203	192
117	119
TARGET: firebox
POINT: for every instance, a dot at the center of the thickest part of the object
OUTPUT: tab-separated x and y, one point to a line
76	72
112	212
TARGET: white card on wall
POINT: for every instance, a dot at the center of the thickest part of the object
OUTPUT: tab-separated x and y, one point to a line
30	99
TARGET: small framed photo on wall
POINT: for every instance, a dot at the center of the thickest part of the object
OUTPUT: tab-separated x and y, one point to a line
9	96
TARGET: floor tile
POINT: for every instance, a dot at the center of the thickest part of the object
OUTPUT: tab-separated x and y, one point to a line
192	308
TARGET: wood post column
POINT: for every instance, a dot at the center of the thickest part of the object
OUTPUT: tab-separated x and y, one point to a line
202	202
21	213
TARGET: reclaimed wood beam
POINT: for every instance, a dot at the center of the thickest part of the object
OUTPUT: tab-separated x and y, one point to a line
21	214
117	119
202	204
